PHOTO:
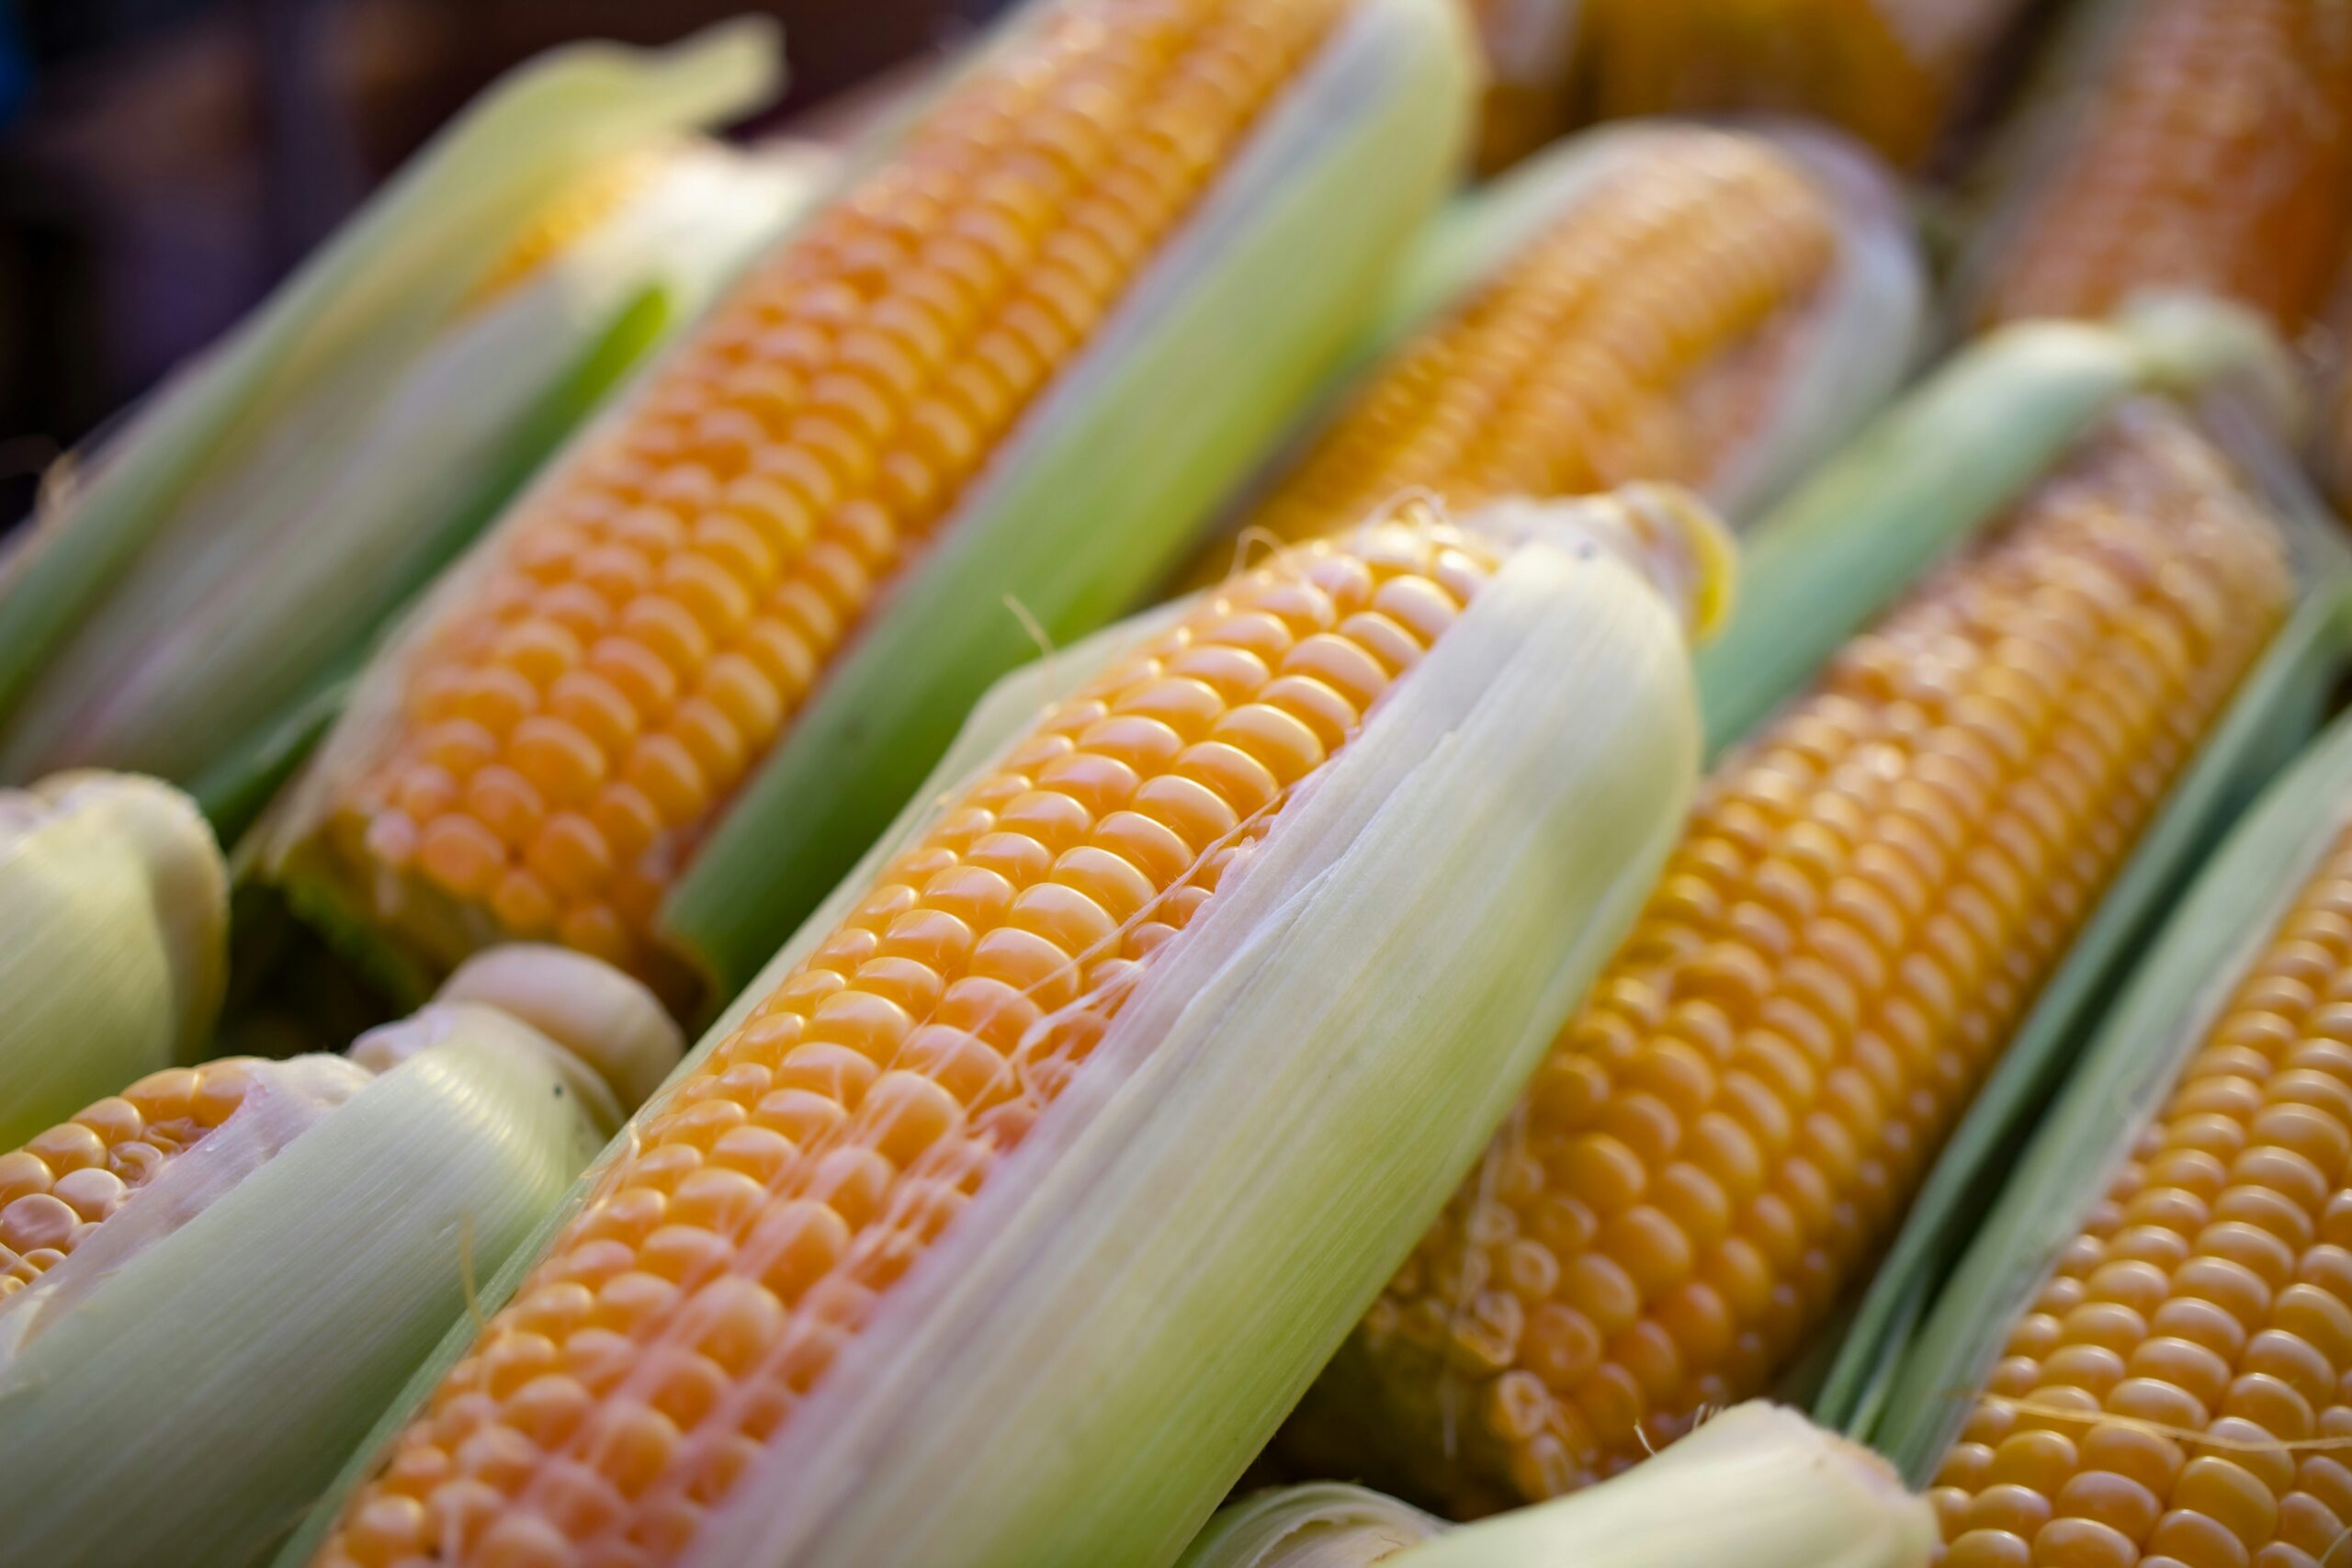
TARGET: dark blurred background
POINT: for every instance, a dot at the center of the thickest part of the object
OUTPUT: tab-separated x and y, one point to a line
163	162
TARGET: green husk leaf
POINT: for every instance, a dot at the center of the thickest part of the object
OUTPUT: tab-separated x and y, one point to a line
1325	1524
270	406
1102	487
116	906
185	1402
2124	1074
2278	704
1969	440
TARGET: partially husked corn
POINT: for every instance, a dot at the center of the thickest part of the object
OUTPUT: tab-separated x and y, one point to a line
64	1182
783	1203
1640	334
777	1196
2209	147
1867	898
2210	1292
664	608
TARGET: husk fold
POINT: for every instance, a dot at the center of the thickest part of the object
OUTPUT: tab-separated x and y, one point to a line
236	544
114	915
180	1386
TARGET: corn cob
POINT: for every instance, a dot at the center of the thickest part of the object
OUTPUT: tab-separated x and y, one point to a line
1867	899
280	1243
669	653
2201	144
116	906
1893	72
2153	1310
1046	1015
1672	304
1780	1494
371	417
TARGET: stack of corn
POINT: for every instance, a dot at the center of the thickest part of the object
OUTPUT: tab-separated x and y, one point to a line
1713	308
279	1244
1867	900
363	426
2159	1312
1136	1013
1893	72
2201	144
653	716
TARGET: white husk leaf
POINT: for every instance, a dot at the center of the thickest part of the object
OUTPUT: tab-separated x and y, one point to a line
278	560
200	1391
1757	1485
607	1020
1077	1371
1324	1524
114	921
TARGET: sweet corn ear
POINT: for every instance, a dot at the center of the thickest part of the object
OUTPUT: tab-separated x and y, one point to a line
116	906
1713	308
212	1282
1867	900
659	710
2185	144
226	559
1137	1013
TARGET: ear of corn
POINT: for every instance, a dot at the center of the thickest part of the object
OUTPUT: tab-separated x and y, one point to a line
1873	893
2156	1310
2201	144
1237	1043
1893	72
1713	308
370	417
116	909
213	1280
747	610
1757	1485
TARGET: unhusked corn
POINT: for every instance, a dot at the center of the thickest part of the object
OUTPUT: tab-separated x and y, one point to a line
764	1211
1864	905
1637	336
62	1184
2210	1292
665	606
2211	150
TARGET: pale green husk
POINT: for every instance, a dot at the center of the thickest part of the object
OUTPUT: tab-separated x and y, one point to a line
114	925
259	521
1959	447
180	1387
2127	1069
1274	1116
1757	1485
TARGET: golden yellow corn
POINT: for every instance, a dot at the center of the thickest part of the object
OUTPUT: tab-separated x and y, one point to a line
2201	144
2207	1295
1867	898
1891	71
1640	334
